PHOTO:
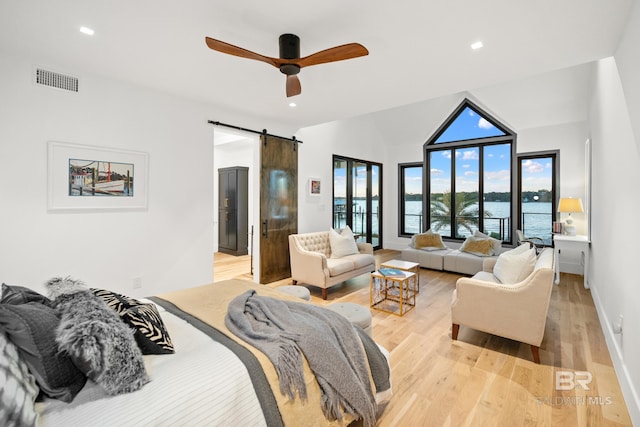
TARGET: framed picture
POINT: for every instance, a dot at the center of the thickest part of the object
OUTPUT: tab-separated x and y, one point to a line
88	178
314	186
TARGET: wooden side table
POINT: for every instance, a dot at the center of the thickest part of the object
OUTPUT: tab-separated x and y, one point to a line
385	292
562	242
412	267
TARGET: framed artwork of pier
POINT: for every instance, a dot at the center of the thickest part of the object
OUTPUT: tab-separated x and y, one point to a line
89	178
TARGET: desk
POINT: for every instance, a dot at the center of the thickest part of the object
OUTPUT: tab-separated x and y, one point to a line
581	244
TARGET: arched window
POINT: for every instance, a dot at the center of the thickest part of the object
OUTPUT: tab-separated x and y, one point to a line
468	179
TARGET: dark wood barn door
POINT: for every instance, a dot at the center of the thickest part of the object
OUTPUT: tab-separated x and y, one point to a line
278	205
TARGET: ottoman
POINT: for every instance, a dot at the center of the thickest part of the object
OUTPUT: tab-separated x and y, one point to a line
355	313
296	291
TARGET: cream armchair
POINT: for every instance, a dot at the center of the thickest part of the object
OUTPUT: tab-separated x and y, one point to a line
516	311
312	263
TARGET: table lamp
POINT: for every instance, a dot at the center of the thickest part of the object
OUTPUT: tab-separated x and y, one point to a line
569	205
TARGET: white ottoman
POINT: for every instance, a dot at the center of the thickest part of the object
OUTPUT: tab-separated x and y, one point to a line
357	314
296	291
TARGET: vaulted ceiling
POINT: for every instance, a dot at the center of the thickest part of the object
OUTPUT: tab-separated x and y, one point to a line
418	49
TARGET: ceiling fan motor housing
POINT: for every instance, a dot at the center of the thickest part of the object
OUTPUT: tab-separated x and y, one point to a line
289	49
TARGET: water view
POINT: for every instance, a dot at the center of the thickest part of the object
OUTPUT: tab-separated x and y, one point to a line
537	219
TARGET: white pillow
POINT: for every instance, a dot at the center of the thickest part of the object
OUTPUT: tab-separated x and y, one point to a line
515	265
342	244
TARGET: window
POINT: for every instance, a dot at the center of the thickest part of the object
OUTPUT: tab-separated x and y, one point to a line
410	191
537	194
357	198
469	181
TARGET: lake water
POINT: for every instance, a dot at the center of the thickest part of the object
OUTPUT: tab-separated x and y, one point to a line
537	218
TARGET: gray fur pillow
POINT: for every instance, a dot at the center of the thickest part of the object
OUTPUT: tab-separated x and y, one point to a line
98	342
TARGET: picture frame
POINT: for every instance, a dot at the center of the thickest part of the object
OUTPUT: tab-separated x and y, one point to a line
85	178
314	186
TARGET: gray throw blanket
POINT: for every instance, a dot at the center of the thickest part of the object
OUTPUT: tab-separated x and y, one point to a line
286	330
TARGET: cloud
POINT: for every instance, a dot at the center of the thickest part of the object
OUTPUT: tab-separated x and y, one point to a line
436	172
466	166
446	154
532	167
467	155
484	124
469	173
501	175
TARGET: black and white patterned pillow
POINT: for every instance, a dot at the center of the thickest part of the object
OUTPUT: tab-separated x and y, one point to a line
19	389
150	333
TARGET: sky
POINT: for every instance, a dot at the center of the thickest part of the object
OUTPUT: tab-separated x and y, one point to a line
536	173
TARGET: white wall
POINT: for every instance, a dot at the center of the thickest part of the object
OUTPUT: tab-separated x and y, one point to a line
615	177
570	139
169	246
356	138
397	136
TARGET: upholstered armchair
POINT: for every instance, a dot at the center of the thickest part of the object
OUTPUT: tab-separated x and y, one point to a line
517	311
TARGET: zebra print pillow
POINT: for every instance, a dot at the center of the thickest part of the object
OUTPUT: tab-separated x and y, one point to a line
150	333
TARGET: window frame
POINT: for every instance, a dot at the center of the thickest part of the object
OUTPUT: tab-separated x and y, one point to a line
349	195
555	183
430	146
401	193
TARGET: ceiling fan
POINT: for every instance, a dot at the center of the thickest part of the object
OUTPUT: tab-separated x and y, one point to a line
290	62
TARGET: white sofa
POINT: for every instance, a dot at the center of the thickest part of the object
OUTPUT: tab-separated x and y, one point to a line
517	311
452	260
312	263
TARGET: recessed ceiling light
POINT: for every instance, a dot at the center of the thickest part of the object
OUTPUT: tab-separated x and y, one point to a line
292	104
477	45
86	30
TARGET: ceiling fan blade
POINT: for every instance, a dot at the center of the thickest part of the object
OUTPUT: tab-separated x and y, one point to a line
230	49
338	53
293	86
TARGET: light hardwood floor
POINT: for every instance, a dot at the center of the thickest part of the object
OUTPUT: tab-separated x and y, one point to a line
482	379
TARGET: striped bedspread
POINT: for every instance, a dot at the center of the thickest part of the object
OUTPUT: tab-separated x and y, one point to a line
213	378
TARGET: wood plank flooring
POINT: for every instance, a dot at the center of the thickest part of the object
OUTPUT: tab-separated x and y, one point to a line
482	379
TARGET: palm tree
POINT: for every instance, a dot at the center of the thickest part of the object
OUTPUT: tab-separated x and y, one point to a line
467	212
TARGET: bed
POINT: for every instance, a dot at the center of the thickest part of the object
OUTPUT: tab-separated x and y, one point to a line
213	378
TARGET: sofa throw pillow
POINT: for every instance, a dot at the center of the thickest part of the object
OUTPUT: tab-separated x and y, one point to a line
19	390
342	244
515	265
429	241
150	332
14	294
93	335
477	246
31	327
497	244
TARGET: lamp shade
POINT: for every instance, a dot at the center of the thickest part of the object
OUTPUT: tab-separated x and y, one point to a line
570	204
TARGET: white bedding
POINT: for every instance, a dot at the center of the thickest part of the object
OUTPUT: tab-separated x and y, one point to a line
203	383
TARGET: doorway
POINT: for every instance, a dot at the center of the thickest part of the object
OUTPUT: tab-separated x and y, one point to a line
237	149
357	198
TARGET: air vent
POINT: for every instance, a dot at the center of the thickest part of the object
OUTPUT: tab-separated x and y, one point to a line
56	80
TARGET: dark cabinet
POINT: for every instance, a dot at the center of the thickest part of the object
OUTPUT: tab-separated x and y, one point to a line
233	210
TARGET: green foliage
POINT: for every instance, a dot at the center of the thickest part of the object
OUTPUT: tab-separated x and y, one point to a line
464	206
